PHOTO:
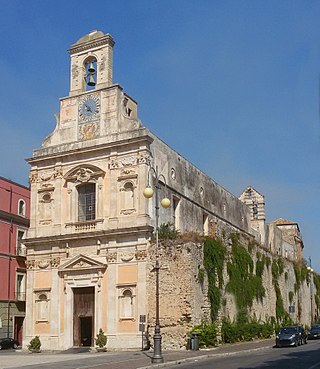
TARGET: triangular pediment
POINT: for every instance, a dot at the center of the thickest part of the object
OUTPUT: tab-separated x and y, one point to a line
250	193
81	262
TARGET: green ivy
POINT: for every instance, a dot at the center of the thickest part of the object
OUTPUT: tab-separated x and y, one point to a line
268	261
260	267
291	295
275	270
167	231
280	266
281	313
214	253
301	275
207	334
201	272
243	284
316	281
245	331
233	331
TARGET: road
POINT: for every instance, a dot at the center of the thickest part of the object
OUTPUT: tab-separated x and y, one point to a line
247	355
302	357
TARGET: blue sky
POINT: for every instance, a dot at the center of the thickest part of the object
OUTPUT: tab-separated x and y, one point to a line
231	85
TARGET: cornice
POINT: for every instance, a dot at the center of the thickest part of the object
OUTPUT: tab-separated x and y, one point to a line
102	41
87	235
16	219
53	151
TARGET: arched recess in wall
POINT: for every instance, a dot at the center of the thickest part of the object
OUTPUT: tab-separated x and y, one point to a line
128	195
45	207
42	306
22	208
126	304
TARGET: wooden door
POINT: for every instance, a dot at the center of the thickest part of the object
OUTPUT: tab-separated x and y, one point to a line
83	316
18	328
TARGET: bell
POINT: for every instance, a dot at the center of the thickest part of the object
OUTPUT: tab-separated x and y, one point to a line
91	81
91	68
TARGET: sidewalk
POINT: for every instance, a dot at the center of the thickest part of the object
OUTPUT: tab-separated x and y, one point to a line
119	360
179	357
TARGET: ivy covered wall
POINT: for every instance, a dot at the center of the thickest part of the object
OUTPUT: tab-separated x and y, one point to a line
230	279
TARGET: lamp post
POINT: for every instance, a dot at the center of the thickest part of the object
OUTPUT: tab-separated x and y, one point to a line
165	203
311	288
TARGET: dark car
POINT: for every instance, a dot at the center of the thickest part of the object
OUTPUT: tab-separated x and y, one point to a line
314	332
288	336
6	343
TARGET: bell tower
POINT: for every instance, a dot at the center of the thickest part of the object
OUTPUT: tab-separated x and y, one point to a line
256	205
91	62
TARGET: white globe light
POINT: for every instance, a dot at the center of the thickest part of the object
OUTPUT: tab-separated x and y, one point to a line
148	192
165	203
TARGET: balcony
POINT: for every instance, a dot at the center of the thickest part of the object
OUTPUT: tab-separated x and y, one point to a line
85	226
20	296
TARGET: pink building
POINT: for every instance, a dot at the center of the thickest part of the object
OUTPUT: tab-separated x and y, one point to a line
14	222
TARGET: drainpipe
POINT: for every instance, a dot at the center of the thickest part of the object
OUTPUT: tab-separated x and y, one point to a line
9	268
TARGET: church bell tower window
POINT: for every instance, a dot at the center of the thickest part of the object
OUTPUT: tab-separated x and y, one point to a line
91	73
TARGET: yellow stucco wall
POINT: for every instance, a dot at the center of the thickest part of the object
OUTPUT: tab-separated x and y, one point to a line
127	274
42	279
61	303
127	326
104	286
42	328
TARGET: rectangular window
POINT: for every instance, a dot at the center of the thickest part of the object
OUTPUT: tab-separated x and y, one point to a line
175	207
87	202
205	224
21	249
21	287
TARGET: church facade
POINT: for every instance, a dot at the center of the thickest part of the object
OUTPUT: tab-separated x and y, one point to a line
90	225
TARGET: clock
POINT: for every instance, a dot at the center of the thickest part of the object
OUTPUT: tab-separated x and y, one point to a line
89	108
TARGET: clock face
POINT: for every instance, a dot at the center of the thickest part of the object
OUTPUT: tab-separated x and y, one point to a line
89	108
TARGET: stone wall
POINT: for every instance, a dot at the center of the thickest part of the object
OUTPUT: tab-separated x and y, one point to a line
183	298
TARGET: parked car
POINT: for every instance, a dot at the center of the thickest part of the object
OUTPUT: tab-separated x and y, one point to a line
6	343
314	332
288	336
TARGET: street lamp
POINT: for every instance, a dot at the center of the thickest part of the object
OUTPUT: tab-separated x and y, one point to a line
165	203
311	288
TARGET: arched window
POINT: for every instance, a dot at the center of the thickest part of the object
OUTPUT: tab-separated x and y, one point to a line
22	208
42	307
126	304
86	202
255	209
128	196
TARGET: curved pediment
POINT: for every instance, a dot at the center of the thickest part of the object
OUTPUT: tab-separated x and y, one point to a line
84	173
81	263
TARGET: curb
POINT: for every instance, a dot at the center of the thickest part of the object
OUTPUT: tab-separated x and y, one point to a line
201	357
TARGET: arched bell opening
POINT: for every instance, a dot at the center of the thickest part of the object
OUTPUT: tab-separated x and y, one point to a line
90	65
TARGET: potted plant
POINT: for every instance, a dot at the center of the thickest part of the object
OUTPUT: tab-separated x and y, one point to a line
101	341
34	345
